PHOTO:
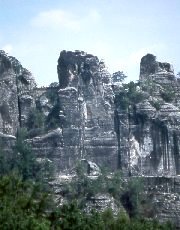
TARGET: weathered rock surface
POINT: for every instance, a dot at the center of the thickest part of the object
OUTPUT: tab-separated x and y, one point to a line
86	100
152	131
16	93
164	195
9	112
149	136
83	118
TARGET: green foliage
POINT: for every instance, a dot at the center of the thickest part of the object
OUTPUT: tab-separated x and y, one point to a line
122	221
108	219
122	100
53	119
22	205
23	80
156	104
54	84
36	119
5	160
52	92
133	93
35	123
118	77
25	205
129	95
71	217
23	161
132	196
148	85
82	187
115	185
168	94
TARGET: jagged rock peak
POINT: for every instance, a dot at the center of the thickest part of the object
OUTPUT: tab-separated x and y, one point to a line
9	64
77	66
5	63
17	93
149	65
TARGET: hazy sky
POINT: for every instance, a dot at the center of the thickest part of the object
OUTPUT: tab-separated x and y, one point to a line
118	31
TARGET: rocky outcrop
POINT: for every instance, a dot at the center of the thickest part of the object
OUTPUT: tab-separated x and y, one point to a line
151	125
87	109
16	93
149	66
9	112
132	127
164	196
148	131
142	138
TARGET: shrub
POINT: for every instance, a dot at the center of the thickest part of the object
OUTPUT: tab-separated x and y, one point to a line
132	196
23	205
168	95
156	104
129	95
118	77
35	119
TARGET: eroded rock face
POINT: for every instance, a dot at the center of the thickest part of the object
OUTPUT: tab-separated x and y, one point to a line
164	195
86	100
83	122
16	93
148	130
9	113
148	135
102	202
149	66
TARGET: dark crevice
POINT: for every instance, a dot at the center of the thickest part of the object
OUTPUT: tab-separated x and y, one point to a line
117	130
176	153
19	110
160	139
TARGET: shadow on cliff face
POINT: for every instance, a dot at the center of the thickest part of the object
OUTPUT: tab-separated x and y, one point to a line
160	139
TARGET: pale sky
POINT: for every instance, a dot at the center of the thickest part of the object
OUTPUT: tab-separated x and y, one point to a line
118	31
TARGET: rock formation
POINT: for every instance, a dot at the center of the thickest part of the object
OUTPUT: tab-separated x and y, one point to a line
16	93
133	127
154	121
86	100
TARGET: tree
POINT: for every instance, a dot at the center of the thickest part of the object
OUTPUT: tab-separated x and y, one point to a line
24	160
54	84
52	92
129	95
36	119
118	77
53	119
168	94
132	196
22	205
83	187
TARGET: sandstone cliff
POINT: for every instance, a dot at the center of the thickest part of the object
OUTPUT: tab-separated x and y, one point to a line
151	123
16	93
133	127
